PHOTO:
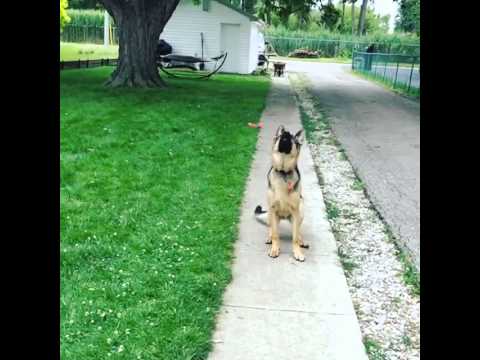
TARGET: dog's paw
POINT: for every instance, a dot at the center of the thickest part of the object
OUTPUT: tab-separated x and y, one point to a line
274	252
298	255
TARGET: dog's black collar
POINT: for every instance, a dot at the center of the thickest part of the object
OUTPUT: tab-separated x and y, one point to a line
284	175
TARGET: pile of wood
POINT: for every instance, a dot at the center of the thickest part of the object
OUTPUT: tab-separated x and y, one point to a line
304	53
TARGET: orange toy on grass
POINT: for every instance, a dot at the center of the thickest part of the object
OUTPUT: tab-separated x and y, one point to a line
259	125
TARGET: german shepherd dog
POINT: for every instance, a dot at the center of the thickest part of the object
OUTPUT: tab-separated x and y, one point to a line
278	69
285	199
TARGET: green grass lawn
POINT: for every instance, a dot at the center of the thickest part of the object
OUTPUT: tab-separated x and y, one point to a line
151	187
76	51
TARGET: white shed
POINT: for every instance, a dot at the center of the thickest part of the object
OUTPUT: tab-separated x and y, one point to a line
223	27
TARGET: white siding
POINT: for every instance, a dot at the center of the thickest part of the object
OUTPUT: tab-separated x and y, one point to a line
183	30
257	45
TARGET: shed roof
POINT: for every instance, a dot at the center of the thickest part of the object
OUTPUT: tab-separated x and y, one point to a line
233	7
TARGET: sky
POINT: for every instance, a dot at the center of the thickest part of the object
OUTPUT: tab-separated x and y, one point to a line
383	7
386	7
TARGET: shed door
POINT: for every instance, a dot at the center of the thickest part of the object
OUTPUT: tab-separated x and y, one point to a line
230	42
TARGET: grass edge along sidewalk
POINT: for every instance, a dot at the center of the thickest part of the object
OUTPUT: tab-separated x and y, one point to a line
401	89
151	186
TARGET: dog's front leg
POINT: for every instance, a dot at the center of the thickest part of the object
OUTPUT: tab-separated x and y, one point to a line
274	238
300	237
297	238
269	223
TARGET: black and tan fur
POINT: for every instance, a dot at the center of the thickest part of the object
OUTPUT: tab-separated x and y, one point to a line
278	69
284	192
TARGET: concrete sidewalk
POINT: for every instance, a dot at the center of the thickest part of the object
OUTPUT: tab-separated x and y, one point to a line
280	308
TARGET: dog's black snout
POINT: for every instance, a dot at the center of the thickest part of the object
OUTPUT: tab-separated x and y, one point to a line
285	143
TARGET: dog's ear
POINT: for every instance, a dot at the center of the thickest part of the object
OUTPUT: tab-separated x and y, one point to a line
299	137
280	130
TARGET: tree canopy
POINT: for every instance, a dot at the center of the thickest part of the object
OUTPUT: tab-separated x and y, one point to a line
317	20
64	18
284	9
408	19
84	4
330	16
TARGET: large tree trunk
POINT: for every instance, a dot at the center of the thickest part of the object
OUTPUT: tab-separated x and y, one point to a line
140	23
363	14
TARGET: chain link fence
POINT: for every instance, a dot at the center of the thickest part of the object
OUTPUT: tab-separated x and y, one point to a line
337	48
87	34
399	71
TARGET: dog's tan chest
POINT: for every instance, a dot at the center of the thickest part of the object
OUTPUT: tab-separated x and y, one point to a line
284	162
284	203
282	209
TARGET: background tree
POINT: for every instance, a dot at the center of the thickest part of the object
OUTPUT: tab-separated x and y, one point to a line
245	5
84	4
330	16
361	20
408	19
139	24
284	8
249	6
374	23
64	18
353	15
342	25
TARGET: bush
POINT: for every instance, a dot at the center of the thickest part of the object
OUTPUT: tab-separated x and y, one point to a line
64	18
304	53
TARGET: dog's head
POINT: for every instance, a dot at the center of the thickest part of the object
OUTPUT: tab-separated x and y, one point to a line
286	149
